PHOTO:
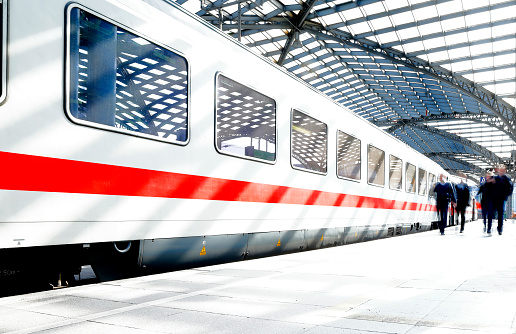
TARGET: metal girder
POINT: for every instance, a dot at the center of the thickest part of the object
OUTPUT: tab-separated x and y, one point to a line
490	157
491	120
299	22
451	157
502	109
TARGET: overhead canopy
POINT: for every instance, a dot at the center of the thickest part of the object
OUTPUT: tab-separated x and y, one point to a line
437	74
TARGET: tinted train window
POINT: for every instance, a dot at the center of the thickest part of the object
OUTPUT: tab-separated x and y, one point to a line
410	177
309	140
245	121
375	166
123	82
395	172
3	46
422	181
348	156
431	184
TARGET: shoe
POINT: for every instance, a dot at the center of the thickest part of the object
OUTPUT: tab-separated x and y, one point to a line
488	231
461	231
484	229
442	233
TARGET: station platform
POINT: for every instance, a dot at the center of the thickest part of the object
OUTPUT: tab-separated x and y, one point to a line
421	283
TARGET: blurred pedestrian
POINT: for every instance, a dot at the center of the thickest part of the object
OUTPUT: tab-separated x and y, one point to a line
463	194
502	189
486	191
444	195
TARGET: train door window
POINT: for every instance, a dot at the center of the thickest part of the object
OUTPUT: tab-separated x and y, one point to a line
245	121
395	172
3	46
410	177
422	181
375	166
431	184
120	81
348	156
309	142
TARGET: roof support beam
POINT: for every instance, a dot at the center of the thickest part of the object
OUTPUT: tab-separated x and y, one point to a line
299	20
493	121
488	156
451	157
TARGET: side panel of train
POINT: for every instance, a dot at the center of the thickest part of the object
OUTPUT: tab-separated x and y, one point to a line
136	135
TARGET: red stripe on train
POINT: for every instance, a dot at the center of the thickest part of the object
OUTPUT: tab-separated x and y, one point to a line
35	173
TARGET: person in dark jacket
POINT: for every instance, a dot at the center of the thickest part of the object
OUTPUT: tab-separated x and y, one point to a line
463	194
502	189
486	191
444	193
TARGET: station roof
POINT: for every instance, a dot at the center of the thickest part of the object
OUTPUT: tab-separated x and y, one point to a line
440	75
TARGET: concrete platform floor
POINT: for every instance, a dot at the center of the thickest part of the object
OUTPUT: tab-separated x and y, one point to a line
424	283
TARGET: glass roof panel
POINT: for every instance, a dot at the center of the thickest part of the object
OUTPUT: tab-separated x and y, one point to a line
453	24
477	18
430	28
425	13
352	13
435	43
380	23
474	4
402	18
449	7
360	28
408	33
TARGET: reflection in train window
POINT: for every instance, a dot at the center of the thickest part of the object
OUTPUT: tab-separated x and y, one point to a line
375	166
245	121
309	140
125	83
422	181
348	156
395	172
3	46
431	184
410	177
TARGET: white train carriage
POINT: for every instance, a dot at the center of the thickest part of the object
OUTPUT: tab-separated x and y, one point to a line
139	138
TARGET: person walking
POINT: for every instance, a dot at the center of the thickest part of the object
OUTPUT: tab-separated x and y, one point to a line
502	189
463	195
444	193
486	191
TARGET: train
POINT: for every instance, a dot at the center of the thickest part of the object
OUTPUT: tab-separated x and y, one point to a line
138	138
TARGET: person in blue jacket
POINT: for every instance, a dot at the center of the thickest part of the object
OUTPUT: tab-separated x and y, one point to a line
486	191
463	195
445	193
502	190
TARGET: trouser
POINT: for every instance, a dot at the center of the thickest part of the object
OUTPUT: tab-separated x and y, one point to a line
489	213
484	212
461	212
443	217
498	207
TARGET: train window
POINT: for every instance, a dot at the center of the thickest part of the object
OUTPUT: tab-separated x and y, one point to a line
309	140
375	166
348	156
410	177
125	83
395	172
3	46
422	181
245	121
431	184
